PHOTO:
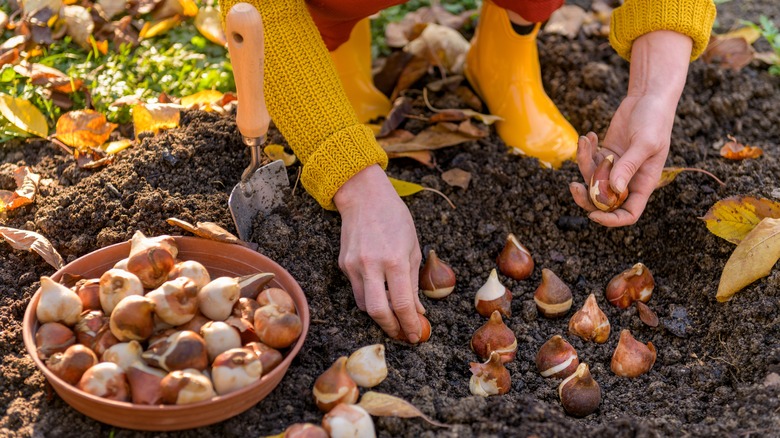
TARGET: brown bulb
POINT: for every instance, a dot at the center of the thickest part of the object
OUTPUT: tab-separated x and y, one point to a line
277	328
132	319
53	337
269	357
580	395
553	298
601	193
72	364
145	383
151	265
634	284
181	350
515	260
489	378
632	358
493	296
334	386
646	314
89	292
437	279
304	430
556	358
277	296
495	336
107	380
425	330
590	323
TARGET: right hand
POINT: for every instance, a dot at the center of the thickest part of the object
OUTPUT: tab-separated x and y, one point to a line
380	253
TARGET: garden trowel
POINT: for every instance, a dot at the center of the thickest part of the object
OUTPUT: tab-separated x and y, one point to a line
261	187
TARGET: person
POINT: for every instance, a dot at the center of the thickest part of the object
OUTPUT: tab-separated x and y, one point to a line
309	44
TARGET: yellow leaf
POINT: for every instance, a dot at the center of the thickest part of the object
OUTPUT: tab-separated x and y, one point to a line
116	146
190	9
668	174
23	115
151	30
204	99
209	25
405	188
83	129
750	34
734	217
386	405
752	259
153	117
276	152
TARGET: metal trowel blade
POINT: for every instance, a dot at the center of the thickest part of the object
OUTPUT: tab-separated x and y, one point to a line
260	194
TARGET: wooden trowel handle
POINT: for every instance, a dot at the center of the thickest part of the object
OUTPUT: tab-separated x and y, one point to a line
244	32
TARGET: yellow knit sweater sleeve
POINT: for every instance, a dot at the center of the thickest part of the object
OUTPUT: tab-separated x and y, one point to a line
307	102
638	17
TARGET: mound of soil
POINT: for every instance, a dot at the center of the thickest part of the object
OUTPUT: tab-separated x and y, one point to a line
717	366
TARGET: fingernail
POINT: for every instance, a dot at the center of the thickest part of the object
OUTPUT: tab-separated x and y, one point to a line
620	184
414	338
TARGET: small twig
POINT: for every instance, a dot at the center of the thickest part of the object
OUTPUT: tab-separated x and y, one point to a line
298	178
61	145
440	194
693	169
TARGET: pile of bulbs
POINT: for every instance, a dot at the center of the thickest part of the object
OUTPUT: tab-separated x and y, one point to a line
494	342
154	329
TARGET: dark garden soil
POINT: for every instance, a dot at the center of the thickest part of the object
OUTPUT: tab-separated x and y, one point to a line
717	366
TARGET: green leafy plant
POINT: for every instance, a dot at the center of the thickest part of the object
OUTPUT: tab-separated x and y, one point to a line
771	33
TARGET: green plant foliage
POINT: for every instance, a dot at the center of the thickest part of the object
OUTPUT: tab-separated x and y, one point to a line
771	33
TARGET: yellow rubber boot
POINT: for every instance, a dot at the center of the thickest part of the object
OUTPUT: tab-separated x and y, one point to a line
353	64
503	67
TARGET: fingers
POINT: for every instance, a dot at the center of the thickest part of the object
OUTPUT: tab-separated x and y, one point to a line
586	151
402	297
626	166
377	306
580	194
414	274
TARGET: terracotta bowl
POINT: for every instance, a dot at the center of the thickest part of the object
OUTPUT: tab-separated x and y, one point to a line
221	259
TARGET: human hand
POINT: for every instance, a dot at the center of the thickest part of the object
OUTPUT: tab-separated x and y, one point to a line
380	253
640	132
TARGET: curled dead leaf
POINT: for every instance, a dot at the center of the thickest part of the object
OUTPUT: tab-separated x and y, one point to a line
669	174
411	73
752	259
734	217
203	100
734	150
276	152
209	230
208	24
32	241
566	20
385	405
83	129
92	158
487	119
431	138
80	24
441	46
154	117
728	52
153	29
457	178
112	7
423	157
406	188
27	187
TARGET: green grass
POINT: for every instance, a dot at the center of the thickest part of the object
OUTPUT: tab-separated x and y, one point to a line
771	33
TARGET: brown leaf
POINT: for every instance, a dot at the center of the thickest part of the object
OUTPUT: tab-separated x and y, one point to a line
80	24
84	129
387	77
434	137
472	130
92	158
450	83
469	98
566	21
733	53
457	178
445	18
31	241
448	115
412	72
398	34
209	230
734	217
487	119
646	314
423	157
442	46
27	187
385	405
752	259
668	174
9	57
208	24
395	136
402	106
734	150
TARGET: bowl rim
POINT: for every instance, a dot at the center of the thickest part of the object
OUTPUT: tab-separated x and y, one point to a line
30	320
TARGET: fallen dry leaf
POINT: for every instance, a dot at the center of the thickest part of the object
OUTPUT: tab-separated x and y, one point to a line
734	150
208	24
385	405
151	30
154	117
92	158
9	57
750	34
398	34
406	188
412	72
402	106
395	136
473	130
115	147
487	119
202	100
441	46
83	129
734	217
566	20
23	115
80	24
31	241
457	178
646	314
448	115
27	187
387	77
276	152
434	137
752	259
422	157
469	98
668	174
112	7
733	53
209	230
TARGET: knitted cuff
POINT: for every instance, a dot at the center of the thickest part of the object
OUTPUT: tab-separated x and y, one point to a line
338	159
635	18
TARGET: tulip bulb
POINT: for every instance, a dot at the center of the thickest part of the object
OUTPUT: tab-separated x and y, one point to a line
493	296
235	369
145	383
181	350
72	364
269	357
601	193
181	387
304	430
279	297
175	301
495	336
553	298
57	303
245	328
276	328
192	270
217	298
632	358
53	337
151	265
425	330
140	242
334	386
89	292
489	378
515	260
348	421
556	358
580	395
103	340
88	325
115	285
132	319
219	337
437	279
367	366
195	324
590	323
245	308
634	284
123	354
106	380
